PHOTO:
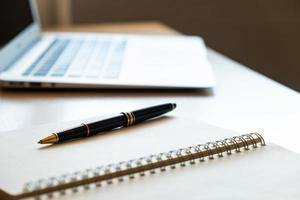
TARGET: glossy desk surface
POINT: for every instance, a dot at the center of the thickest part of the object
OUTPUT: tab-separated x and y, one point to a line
243	100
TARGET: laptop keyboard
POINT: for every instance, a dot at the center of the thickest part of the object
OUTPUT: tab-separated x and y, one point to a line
80	58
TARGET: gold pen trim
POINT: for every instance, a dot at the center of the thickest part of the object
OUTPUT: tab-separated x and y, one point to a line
56	136
127	118
173	106
87	129
130	118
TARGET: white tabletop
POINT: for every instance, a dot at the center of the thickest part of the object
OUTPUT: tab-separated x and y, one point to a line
243	100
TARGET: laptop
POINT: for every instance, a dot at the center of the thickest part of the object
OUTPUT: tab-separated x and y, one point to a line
30	58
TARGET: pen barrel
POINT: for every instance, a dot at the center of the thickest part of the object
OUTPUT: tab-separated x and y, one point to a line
120	120
86	130
71	134
152	112
107	124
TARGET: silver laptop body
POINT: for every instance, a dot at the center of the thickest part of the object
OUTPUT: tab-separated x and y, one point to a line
29	58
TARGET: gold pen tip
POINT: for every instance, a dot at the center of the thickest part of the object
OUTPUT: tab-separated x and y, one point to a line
49	140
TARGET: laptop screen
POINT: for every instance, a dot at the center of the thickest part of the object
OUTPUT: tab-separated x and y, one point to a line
15	16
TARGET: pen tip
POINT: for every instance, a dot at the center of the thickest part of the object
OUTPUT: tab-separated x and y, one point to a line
49	140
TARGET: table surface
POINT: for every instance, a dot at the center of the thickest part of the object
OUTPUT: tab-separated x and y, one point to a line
243	100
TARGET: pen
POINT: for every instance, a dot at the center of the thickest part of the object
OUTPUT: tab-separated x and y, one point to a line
123	119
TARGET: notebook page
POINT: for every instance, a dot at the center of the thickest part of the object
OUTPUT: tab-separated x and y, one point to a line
247	175
25	160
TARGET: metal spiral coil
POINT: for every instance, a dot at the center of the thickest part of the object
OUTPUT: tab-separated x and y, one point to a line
130	169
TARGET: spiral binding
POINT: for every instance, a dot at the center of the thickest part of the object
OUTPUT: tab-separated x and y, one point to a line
153	163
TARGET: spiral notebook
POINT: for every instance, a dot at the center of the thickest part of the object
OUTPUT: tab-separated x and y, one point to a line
165	158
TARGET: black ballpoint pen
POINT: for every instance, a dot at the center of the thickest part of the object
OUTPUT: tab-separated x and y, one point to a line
121	120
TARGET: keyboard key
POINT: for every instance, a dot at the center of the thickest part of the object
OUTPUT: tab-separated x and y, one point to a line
50	59
63	64
98	59
78	65
33	66
113	67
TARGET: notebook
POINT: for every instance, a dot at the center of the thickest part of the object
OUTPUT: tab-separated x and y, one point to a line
161	158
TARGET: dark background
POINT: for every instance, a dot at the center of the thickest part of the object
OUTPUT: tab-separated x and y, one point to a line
15	15
263	35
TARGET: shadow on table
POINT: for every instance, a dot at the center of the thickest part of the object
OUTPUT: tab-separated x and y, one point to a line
48	93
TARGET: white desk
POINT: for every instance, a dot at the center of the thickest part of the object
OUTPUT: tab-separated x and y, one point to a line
243	100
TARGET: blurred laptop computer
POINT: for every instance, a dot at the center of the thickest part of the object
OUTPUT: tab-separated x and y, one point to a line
29	58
